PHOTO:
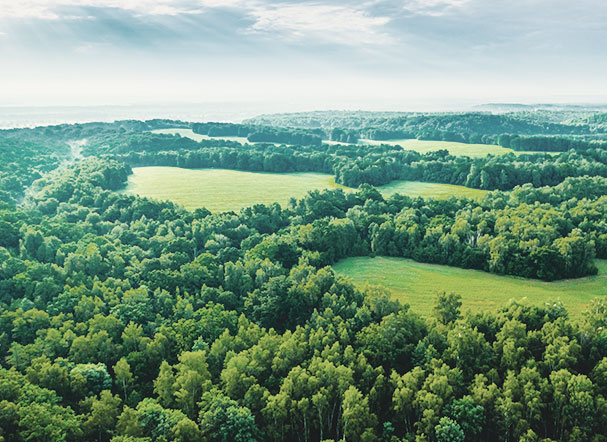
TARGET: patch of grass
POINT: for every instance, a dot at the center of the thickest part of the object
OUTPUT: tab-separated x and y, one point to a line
457	149
430	190
198	137
454	148
417	284
223	190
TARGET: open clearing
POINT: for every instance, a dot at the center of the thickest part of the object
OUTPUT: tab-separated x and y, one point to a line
430	190
223	190
198	137
454	148
417	284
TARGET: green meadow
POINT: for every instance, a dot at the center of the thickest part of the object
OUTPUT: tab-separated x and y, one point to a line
197	137
417	284
430	190
223	190
456	149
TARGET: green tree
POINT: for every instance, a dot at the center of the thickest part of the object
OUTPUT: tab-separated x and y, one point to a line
447	307
124	377
448	430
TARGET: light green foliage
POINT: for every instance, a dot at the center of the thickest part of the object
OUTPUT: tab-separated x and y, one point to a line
447	307
102	416
358	420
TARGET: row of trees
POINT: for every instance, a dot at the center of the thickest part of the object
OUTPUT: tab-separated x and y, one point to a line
548	144
357	164
466	127
263	134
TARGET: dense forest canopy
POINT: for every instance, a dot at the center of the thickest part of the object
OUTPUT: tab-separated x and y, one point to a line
128	319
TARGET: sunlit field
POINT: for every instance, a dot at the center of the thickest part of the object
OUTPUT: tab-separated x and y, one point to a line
454	148
223	190
197	137
417	284
457	149
430	190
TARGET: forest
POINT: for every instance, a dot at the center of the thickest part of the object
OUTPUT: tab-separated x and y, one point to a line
127	319
540	130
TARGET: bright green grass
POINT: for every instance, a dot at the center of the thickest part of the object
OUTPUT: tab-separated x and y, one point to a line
223	190
454	148
430	190
457	149
198	137
417	284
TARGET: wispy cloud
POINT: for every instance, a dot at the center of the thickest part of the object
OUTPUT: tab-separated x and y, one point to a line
339	24
433	7
52	9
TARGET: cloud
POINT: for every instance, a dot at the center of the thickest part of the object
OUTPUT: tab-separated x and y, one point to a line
293	21
338	24
435	8
51	9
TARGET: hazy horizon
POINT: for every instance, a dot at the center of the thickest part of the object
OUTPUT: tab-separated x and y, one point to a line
322	54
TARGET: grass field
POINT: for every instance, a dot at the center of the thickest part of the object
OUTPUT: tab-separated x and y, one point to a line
417	284
430	190
454	148
457	149
223	190
197	137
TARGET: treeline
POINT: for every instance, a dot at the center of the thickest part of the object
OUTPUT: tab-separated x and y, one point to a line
554	131
548	144
354	165
263	134
23	162
124	319
469	123
90	131
27	154
349	136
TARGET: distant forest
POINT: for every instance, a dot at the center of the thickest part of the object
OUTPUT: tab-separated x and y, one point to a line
551	131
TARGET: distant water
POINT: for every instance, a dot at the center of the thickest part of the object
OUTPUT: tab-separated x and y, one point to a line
31	116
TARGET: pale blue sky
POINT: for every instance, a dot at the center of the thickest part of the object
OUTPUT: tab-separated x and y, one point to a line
357	54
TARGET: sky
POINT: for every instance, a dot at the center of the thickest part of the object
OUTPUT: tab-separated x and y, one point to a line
376	54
